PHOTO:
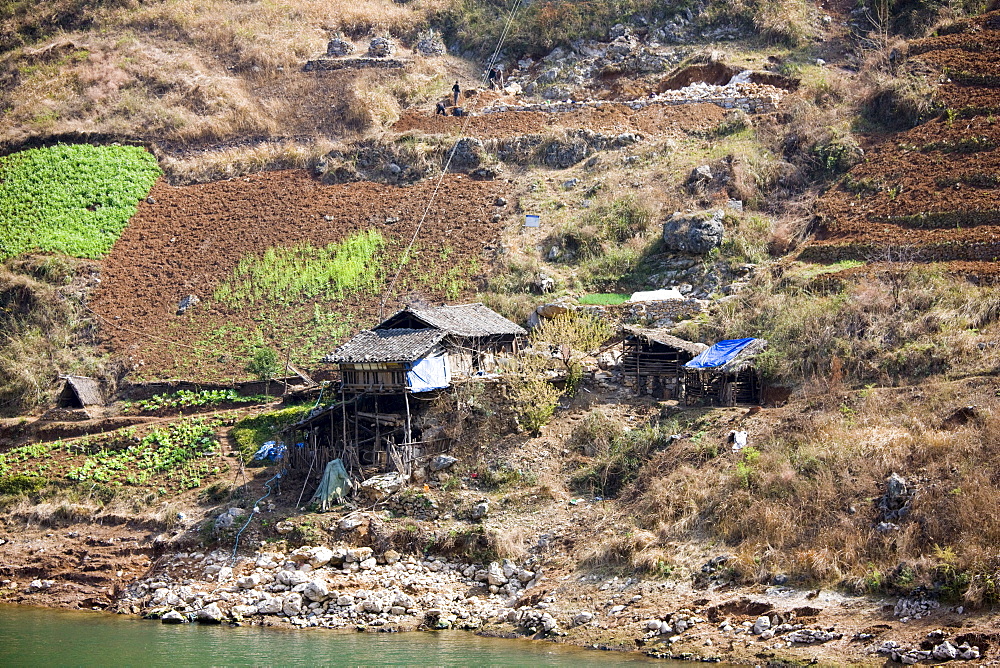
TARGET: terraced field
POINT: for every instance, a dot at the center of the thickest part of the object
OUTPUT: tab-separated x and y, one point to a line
932	192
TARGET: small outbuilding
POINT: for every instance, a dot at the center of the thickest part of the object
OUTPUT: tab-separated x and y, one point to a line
655	361
81	392
725	374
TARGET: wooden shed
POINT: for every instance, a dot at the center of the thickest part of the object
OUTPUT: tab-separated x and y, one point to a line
725	375
393	361
655	360
81	392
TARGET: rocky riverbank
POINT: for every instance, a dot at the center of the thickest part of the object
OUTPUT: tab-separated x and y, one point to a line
354	587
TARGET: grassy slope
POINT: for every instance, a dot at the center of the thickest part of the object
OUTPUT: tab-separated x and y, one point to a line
189	73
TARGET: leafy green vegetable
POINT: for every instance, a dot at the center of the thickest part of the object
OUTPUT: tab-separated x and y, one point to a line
72	199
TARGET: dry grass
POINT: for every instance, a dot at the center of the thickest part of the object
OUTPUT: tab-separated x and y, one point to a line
803	500
43	332
206	72
236	161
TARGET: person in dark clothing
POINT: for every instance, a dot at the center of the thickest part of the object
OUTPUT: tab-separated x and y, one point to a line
455	90
491	77
441	109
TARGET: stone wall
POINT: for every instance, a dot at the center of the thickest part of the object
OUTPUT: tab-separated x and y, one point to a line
644	314
330	64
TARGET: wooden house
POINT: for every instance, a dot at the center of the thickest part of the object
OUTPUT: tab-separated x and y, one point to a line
422	348
655	360
725	374
378	425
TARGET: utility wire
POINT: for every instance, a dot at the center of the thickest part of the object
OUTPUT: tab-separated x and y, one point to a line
430	202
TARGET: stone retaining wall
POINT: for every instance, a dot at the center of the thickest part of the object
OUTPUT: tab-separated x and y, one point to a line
648	313
331	64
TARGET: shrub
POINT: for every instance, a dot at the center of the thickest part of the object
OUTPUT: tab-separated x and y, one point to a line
899	103
21	484
263	363
623	218
627	453
252	432
532	397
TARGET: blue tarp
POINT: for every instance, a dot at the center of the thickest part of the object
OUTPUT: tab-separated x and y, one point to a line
719	354
430	373
270	451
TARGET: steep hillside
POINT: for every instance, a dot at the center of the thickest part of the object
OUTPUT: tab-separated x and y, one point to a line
824	177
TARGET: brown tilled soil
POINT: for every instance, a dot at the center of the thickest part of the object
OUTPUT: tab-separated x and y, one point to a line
934	189
187	240
652	121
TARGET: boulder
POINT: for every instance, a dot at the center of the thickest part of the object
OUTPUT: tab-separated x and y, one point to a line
442	462
698	232
480	510
945	651
269	606
292	604
248	581
699	178
292	578
187	303
762	624
210	614
382	485
316	591
173	617
494	574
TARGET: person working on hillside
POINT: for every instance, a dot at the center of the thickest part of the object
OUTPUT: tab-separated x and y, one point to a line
455	90
491	77
441	109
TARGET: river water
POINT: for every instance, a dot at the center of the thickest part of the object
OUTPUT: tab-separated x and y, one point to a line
44	637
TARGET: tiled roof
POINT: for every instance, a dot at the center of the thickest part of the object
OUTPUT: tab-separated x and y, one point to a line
387	345
462	320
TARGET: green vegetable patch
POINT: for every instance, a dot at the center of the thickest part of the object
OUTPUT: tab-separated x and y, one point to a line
71	199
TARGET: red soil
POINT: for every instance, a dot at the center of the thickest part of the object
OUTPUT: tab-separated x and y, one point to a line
936	188
191	238
652	121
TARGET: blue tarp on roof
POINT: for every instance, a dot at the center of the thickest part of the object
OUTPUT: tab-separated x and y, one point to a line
429	373
719	354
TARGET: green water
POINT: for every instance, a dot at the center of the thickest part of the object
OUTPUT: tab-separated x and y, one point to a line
41	637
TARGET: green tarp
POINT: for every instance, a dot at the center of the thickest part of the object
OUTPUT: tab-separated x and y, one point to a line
333	487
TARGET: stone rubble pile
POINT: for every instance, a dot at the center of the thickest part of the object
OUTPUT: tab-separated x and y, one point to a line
752	98
341	587
913	608
381	47
771	627
430	44
338	47
672	625
944	651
